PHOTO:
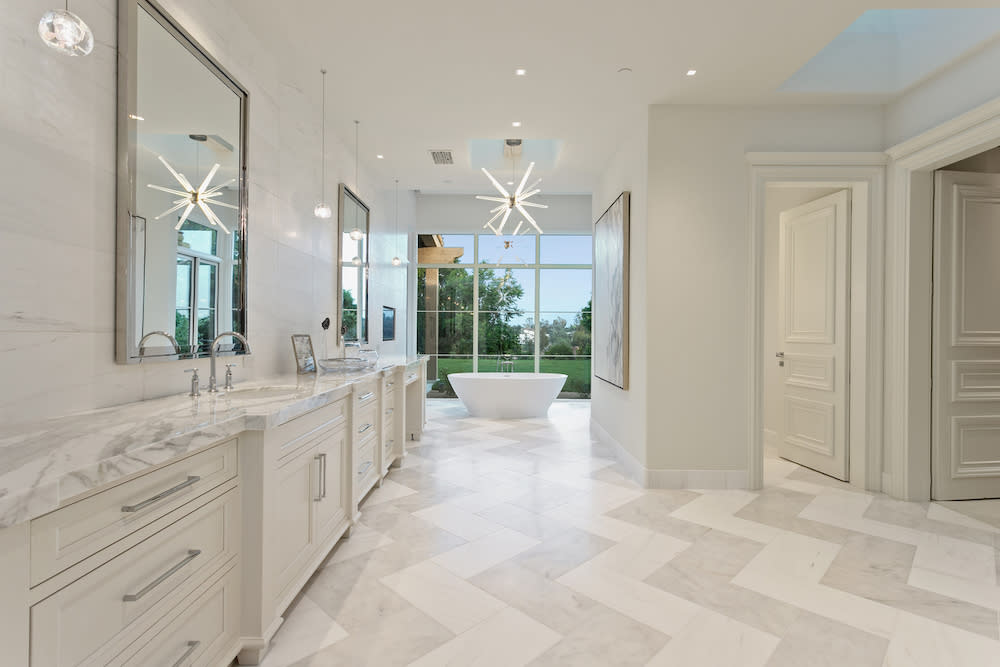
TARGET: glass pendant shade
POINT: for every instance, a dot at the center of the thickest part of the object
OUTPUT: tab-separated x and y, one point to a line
323	210
66	32
356	261
356	234
396	261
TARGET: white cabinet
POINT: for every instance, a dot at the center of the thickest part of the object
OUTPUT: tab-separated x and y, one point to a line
294	521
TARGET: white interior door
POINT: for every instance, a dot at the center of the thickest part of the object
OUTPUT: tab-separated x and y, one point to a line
965	395
813	286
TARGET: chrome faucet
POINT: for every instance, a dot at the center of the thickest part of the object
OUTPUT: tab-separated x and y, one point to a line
212	388
173	341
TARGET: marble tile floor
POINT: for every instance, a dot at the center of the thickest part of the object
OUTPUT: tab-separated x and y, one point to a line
521	543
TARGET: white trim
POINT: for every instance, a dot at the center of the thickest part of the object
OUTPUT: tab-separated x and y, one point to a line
908	290
664	478
828	170
634	470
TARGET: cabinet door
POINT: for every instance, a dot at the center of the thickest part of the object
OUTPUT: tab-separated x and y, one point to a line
296	494
331	508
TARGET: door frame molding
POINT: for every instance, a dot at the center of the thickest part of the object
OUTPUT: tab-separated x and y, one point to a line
908	293
864	174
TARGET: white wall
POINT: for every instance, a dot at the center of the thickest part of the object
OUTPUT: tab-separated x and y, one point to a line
622	414
464	214
951	92
57	213
698	234
777	201
985	163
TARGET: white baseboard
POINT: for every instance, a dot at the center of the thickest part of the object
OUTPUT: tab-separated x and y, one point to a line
669	478
634	470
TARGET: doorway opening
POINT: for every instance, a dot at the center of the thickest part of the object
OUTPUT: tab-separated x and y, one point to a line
807	324
965	330
815	307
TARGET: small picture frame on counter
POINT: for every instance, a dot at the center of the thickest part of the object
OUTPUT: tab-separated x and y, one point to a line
388	323
305	358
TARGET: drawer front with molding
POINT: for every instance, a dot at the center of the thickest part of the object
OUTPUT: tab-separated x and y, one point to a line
365	393
389	382
388	452
367	423
70	534
85	621
412	373
365	469
388	410
198	634
300	432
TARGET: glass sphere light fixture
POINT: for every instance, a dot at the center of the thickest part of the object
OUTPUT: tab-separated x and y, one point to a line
323	210
66	32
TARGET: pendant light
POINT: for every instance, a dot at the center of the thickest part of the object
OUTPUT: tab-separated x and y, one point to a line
356	233
66	32
396	261
323	210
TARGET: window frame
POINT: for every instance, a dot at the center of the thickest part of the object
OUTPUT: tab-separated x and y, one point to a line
536	266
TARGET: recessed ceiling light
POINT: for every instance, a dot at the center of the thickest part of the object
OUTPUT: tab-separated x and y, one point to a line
380	156
692	72
520	72
516	123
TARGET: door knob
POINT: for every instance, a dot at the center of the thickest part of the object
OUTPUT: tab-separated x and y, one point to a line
781	358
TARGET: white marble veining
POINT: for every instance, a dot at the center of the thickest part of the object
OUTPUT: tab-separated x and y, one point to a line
43	464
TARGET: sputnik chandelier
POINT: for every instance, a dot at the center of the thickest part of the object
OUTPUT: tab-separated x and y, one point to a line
511	202
191	197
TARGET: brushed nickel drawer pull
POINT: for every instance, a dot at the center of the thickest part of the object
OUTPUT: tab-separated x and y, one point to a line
364	468
191	646
319	493
365	397
135	597
388	412
192	479
364	428
388	444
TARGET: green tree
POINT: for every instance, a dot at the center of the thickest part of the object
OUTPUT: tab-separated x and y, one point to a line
350	311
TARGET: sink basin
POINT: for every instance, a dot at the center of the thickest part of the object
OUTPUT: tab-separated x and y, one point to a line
347	365
261	393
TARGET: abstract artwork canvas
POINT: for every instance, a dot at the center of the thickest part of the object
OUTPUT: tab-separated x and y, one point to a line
610	308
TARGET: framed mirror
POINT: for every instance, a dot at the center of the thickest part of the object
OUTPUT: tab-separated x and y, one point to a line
354	220
182	200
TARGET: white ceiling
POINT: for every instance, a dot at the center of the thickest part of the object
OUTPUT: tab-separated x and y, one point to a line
438	73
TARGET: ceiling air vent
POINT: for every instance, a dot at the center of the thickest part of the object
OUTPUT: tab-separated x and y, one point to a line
442	157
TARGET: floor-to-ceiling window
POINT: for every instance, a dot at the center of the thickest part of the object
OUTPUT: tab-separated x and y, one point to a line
490	303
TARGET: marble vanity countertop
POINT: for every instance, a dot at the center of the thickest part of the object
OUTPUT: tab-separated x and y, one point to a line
47	463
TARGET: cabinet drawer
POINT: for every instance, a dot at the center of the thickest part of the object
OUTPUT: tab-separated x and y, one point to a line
412	373
388	450
365	470
365	392
70	534
389	382
299	432
367	423
88	619
388	410
198	634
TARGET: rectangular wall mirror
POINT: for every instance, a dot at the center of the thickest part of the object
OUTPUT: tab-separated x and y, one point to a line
182	204
354	219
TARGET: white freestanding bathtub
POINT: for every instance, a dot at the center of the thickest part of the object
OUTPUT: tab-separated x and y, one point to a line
507	395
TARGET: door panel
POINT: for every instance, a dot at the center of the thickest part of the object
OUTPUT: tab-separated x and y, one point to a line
965	395
813	283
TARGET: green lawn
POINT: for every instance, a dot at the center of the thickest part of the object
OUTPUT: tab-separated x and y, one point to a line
577	371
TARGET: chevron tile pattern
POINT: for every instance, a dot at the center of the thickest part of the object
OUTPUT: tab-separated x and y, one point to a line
521	543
